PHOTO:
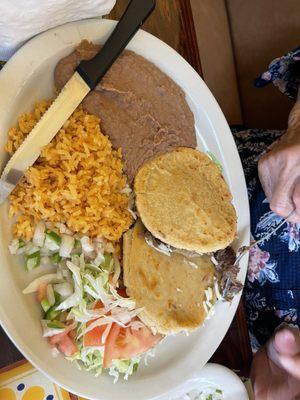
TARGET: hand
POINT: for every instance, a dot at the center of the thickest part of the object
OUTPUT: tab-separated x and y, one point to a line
275	371
279	170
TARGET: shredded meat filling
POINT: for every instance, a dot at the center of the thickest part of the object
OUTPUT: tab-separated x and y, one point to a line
229	283
225	259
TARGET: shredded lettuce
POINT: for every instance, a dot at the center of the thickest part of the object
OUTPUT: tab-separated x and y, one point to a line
83	314
95	285
89	359
215	160
126	302
126	367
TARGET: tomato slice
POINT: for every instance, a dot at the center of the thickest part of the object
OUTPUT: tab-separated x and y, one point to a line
41	292
55	339
95	336
67	346
125	343
65	341
99	304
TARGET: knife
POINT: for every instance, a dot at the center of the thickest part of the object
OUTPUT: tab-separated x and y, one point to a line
86	77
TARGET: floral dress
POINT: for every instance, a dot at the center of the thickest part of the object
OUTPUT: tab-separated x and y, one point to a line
272	289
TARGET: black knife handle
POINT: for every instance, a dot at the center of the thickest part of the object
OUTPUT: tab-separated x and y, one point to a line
134	16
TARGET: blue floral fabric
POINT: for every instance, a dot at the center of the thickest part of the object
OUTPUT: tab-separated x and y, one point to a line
272	289
284	73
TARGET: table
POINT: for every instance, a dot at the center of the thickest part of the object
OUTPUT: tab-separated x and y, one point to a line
172	21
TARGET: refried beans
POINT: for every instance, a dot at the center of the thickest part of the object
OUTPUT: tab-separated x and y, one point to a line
141	109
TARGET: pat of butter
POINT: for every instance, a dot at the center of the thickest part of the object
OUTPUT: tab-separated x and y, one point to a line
20	21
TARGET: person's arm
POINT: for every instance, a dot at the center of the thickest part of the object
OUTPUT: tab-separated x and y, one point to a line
279	170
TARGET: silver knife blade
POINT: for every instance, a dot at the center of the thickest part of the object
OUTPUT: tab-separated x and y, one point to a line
44	131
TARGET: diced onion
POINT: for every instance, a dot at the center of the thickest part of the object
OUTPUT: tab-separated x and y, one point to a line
64	289
50	244
39	234
86	244
67	244
33	286
62	228
30	248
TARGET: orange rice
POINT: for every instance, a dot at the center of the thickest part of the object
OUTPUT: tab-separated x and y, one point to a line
77	180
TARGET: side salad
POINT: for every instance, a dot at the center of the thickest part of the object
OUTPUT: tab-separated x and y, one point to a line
207	393
86	314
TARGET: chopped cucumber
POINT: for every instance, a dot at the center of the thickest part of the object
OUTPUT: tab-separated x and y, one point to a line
45	305
77	245
55	324
77	249
57	297
54	236
51	314
135	367
21	243
52	241
56	258
33	260
63	316
107	261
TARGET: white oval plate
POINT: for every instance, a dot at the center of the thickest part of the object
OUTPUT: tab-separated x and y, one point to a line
218	377
27	78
